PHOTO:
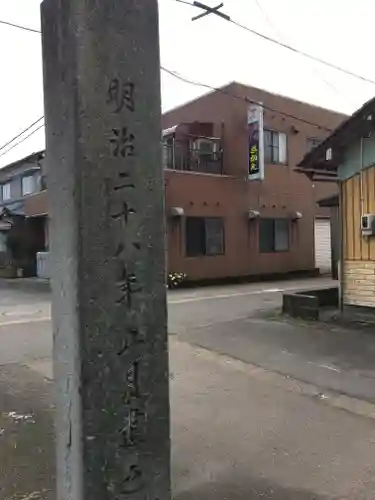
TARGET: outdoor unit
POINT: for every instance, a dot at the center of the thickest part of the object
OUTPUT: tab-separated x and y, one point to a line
368	224
206	148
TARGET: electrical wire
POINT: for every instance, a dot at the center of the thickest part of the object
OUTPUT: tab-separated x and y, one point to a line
22	140
19	27
256	33
302	53
246	99
281	37
191	82
21	133
293	49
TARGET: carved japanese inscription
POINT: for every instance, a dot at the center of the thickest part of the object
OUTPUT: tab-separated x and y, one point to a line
121	102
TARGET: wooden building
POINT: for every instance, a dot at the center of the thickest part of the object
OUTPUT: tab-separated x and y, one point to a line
348	155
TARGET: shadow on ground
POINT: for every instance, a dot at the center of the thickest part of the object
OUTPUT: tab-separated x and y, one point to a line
27	453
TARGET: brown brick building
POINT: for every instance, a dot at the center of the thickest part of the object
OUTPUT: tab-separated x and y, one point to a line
219	223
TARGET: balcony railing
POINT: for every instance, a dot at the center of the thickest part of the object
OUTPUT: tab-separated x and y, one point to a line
181	157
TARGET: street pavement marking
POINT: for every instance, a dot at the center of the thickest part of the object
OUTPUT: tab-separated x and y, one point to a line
326	367
224	296
25	321
329	367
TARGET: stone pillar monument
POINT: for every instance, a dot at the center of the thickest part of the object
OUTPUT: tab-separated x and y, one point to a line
105	185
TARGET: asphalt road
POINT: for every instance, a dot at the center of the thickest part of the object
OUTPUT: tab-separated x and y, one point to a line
25	330
240	428
239	321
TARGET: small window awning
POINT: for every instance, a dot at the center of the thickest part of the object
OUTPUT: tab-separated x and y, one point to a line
175	212
253	214
169	131
296	215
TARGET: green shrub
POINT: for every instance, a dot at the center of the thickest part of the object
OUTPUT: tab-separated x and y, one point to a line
176	279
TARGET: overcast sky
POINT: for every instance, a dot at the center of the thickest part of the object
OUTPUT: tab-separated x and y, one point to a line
214	52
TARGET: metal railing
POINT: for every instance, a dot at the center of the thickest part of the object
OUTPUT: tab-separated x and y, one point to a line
178	157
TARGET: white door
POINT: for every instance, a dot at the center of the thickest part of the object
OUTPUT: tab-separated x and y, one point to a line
323	245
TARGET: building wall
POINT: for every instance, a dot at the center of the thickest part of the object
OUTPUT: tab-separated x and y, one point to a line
358	284
282	193
227	197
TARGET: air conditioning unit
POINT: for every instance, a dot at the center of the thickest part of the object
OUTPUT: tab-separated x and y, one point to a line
206	146
368	224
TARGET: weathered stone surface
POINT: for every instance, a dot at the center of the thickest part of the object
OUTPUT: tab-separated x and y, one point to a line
105	182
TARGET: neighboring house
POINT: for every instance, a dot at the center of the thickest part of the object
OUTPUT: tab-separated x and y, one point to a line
348	154
220	224
21	236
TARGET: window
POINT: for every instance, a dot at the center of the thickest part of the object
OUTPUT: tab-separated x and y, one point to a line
5	190
275	147
204	236
29	184
312	142
273	235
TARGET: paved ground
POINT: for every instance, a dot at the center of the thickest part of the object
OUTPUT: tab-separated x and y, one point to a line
261	407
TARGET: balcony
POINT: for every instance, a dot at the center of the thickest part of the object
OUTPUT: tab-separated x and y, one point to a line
194	154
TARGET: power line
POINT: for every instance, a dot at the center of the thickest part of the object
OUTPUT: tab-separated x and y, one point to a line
19	27
22	140
186	80
21	133
292	49
252	31
281	37
246	99
302	53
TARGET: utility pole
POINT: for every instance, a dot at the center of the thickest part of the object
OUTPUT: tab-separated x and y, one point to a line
105	183
209	10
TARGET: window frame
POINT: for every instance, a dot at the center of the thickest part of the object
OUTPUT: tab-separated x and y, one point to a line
202	239
2	191
33	180
274	245
271	160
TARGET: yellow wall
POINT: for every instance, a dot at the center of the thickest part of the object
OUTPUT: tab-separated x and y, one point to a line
358	280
